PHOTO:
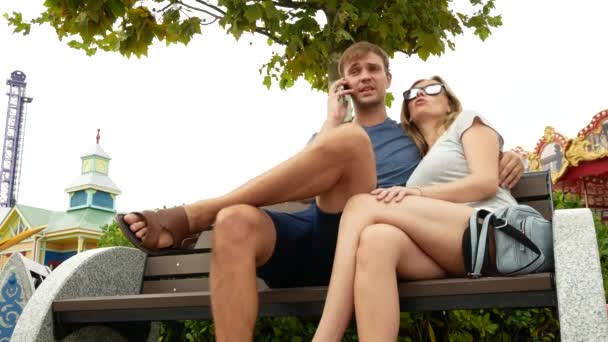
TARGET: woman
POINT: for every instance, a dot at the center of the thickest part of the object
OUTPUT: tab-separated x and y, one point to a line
413	232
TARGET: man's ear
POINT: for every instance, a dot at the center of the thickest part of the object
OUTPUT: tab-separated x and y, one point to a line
389	77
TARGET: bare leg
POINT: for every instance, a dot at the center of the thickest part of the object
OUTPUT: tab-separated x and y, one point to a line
339	303
383	249
243	238
338	307
434	226
333	167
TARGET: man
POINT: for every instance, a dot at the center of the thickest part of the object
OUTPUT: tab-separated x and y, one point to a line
297	249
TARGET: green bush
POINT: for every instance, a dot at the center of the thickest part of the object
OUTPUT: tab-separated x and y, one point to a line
456	325
504	325
113	236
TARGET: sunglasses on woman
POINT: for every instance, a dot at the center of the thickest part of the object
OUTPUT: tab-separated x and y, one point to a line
431	90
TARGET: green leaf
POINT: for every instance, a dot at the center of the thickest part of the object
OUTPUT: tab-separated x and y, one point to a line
389	98
116	7
267	81
431	333
342	35
254	12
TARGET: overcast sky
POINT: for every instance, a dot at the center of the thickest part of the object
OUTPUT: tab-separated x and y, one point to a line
193	122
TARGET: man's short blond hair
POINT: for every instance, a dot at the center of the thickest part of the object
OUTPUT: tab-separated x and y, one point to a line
359	50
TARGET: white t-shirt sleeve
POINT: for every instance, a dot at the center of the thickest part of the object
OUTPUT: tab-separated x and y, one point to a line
466	119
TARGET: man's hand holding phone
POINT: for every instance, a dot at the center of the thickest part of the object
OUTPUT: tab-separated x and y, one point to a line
337	101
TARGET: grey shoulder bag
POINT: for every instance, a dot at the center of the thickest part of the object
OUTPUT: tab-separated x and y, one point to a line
523	242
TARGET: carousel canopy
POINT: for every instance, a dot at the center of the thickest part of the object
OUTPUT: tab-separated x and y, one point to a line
578	165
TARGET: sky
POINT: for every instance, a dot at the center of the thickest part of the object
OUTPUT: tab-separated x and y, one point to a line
193	122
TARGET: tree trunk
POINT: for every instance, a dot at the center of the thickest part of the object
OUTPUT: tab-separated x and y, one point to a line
333	75
332	67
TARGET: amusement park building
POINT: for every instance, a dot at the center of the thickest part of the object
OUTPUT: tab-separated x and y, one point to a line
577	165
63	234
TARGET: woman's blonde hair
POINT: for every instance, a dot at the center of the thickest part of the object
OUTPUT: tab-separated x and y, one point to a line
410	127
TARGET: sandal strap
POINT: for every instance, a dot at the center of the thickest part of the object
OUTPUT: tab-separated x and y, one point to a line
173	220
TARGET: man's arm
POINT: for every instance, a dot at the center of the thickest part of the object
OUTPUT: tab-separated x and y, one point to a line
510	169
336	107
336	112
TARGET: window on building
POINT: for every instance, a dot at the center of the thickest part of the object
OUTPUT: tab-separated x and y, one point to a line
18	228
78	199
103	199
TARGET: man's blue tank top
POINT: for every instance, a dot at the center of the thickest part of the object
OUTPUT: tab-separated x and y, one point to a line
396	153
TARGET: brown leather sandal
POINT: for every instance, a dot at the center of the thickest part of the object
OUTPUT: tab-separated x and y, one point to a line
173	220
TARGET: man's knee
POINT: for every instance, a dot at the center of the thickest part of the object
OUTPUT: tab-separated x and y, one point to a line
346	141
360	202
236	230
377	245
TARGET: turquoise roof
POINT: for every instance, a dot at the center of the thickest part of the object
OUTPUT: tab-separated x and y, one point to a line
34	216
88	218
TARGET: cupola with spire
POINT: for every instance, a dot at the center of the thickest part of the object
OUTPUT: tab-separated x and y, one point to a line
93	188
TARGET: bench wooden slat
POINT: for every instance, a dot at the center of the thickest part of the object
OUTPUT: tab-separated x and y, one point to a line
287	207
175	285
525	299
543	207
459	286
524	291
183	285
532	184
440	287
175	265
204	241
528	299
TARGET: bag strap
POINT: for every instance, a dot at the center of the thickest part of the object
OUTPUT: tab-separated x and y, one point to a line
520	237
482	246
476	242
470	264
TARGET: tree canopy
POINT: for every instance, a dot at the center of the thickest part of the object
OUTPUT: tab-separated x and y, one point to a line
310	34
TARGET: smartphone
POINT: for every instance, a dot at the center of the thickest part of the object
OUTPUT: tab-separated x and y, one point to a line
344	98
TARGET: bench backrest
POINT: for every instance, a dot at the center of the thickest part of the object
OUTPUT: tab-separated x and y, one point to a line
189	272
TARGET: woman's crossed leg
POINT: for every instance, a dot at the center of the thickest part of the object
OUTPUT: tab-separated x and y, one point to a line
423	242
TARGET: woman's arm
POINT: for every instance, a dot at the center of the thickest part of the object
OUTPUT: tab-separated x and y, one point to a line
511	169
481	150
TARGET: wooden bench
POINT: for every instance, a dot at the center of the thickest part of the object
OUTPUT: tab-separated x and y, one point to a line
176	287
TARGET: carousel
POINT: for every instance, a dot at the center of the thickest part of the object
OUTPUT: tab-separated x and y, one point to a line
577	166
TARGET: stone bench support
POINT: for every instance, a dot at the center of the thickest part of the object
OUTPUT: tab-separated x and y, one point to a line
578	275
98	272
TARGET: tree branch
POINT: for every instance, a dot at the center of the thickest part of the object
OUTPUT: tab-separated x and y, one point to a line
164	8
209	23
217	16
274	38
194	8
213	7
292	4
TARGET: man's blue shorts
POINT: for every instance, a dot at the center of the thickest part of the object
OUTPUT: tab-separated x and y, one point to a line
304	250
